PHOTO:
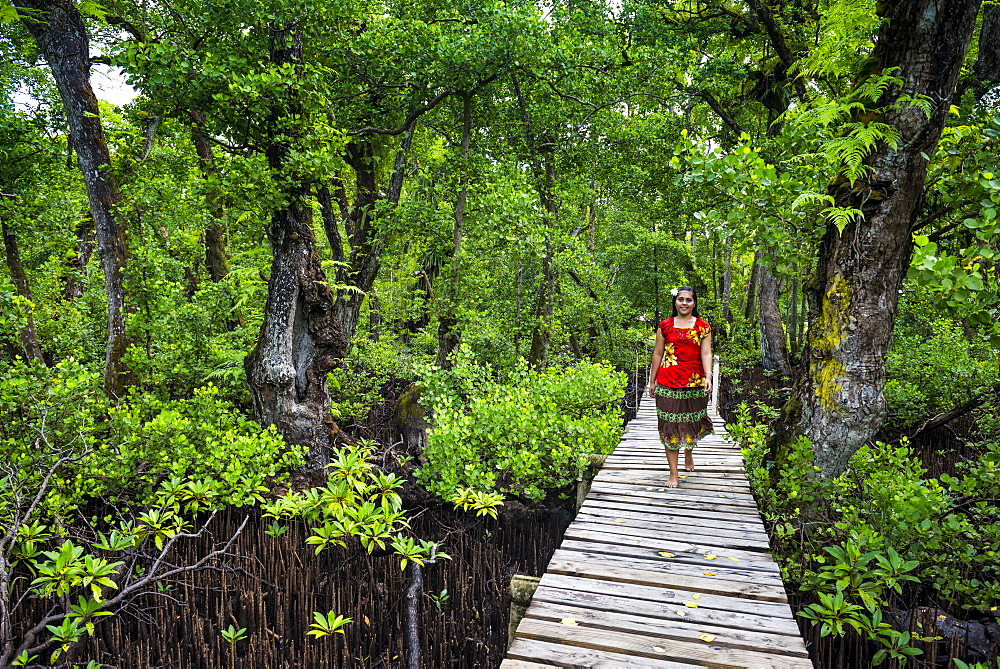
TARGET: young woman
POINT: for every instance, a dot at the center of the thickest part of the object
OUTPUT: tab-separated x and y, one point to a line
681	379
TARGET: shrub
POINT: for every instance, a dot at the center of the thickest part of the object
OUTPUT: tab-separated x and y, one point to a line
525	435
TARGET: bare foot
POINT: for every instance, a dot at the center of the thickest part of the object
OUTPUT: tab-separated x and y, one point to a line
672	481
688	462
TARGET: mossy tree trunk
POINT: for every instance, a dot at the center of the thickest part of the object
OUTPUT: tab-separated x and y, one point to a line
300	340
853	296
57	27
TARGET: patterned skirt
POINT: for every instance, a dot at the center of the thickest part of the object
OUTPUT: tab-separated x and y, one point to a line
682	415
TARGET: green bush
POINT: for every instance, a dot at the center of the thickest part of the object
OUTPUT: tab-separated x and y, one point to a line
934	369
855	539
132	447
525	435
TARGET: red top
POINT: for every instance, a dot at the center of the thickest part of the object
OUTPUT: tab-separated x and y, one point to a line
681	365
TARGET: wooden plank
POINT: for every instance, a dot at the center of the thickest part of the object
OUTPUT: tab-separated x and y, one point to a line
522	664
638	487
560	655
657	610
652	508
671	627
679	544
676	502
716	521
652	559
703	535
711	586
699	653
643	550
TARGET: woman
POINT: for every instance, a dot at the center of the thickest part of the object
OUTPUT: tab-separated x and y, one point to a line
681	379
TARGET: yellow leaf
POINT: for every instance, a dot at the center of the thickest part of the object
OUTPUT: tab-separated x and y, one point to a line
569	621
942	617
690	605
734	559
660	650
993	608
648	488
660	489
696	596
666	554
619	520
681	476
707	638
711	557
367	622
709	573
682	613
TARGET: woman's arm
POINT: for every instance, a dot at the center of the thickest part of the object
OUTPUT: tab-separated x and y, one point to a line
654	363
706	361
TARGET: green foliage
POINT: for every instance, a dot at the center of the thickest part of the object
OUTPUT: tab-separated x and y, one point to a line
858	540
328	624
132	446
526	435
926	351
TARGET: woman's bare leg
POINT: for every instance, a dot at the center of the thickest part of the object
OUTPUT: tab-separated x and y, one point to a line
689	459
672	461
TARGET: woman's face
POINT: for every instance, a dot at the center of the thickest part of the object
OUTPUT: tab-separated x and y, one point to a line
684	302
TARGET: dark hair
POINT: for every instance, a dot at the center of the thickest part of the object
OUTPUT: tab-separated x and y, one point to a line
673	302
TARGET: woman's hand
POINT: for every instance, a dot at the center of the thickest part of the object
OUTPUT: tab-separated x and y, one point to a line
708	384
650	391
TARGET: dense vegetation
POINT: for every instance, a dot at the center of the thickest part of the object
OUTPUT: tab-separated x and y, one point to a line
459	222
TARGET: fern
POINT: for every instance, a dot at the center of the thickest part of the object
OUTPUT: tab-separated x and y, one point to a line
810	198
841	216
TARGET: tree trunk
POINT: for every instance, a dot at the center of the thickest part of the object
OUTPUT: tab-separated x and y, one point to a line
750	306
448	337
986	71
773	349
300	340
853	297
29	340
727	283
78	259
366	243
58	29
216	247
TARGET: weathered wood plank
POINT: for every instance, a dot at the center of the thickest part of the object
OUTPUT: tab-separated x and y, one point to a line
699	653
701	535
670	627
655	610
655	560
736	594
767	571
560	655
716	521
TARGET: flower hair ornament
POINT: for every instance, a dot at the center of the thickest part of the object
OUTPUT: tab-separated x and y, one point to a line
673	291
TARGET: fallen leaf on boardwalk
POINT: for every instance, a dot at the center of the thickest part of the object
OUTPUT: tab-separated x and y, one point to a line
734	559
721	495
691	605
658	649
660	489
619	520
648	488
682	477
707	638
666	554
584	536
696	596
711	557
569	621
682	613
709	573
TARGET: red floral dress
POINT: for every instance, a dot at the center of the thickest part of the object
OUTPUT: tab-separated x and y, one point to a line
681	366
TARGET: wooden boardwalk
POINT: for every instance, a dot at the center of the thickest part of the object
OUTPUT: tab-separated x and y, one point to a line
648	576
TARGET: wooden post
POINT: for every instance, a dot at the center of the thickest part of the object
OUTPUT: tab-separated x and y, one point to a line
715	384
522	589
